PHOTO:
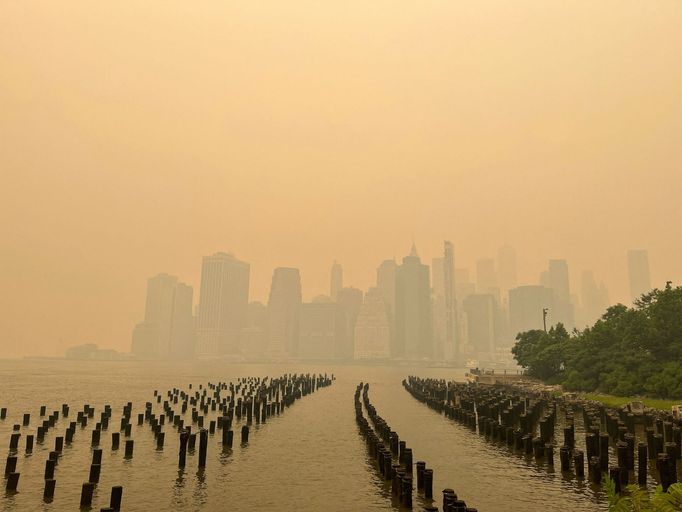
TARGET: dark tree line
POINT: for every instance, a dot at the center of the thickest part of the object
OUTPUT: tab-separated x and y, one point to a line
628	351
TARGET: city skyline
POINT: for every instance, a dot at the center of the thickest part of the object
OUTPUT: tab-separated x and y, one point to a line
415	311
371	125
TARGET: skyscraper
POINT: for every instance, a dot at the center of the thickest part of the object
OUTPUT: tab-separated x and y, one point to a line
159	309
444	305
414	339
372	333
336	280
594	300
349	301
321	331
482	322
284	306
168	326
386	287
638	272
506	265
223	304
386	283
183	325
438	306
558	281
486	278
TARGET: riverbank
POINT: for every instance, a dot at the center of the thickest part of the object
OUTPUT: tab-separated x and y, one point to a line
619	401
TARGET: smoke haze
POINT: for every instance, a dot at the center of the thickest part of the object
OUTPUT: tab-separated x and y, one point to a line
137	137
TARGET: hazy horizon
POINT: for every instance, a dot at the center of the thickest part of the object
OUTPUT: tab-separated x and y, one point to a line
139	137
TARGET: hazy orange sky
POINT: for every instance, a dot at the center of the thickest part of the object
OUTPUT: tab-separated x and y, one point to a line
137	136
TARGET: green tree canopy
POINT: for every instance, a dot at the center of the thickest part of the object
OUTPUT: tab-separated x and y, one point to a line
628	351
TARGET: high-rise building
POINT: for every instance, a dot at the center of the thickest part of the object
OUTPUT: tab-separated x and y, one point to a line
252	339
284	306
145	343
223	304
386	283
159	309
414	339
526	304
558	280
506	265
486	278
168	327
386	286
184	323
638	273
482	315
444	305
336	280
372	332
438	306
594	300
322	329
349	300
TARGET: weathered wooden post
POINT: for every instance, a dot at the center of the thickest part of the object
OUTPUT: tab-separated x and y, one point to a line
203	446
184	438
48	491
12	482
86	494
428	483
130	444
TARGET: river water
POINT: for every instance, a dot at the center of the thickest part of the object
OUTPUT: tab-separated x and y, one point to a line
310	458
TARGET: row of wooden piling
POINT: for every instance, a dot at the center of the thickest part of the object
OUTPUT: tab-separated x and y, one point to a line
526	423
249	398
393	459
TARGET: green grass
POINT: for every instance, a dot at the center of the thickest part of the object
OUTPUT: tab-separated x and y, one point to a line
618	401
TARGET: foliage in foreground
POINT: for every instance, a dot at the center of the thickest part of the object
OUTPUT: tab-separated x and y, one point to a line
628	351
640	500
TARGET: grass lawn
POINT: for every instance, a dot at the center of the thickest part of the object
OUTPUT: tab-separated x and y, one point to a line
618	401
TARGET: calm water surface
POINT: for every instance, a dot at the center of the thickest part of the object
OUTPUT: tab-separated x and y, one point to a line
310	458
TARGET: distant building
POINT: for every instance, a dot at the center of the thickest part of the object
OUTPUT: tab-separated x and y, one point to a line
506	266
525	307
184	323
159	309
349	301
558	279
638	273
168	326
322	331
336	280
414	338
372	331
481	311
284	306
145	343
486	278
386	287
90	351
594	300
252	339
223	304
444	304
